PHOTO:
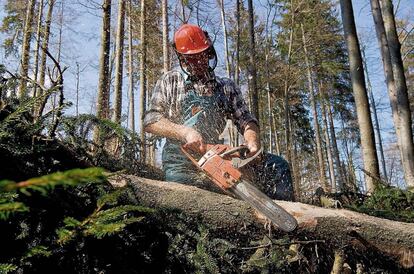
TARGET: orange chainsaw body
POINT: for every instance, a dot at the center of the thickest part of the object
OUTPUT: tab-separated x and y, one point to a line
218	168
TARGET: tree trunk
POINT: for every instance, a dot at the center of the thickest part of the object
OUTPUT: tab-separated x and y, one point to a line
223	24
327	138
252	63
296	174
404	112
38	41
362	232
269	109
55	72
27	36
369	154
45	47
277	142
374	111
102	104
351	179
142	78
60	30
269	38
229	125
165	52
184	20
130	72
321	162
102	107
77	88
237	66
45	43
119	60
335	149
386	61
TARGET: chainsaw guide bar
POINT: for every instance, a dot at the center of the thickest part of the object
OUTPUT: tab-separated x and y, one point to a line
221	163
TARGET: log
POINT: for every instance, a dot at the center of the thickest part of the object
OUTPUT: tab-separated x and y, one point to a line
338	227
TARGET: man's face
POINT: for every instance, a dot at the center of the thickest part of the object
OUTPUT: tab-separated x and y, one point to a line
197	63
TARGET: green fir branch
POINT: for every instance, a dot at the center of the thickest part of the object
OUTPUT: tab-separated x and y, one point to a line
102	222
7	268
7	209
37	251
9	206
66	178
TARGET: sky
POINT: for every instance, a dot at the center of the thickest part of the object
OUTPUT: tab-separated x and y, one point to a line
81	41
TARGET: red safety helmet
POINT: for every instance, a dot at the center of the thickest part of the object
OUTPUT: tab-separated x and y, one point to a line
191	39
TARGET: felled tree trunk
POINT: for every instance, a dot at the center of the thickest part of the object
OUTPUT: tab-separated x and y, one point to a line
338	227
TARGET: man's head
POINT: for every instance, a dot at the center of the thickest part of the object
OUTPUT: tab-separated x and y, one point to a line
194	50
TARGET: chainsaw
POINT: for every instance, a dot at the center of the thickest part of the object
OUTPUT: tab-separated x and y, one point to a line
223	164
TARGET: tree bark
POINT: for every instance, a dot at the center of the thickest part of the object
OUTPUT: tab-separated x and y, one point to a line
36	58
77	88
27	36
269	38
102	107
252	63
45	42
119	61
142	78
237	66
369	154
404	112
338	227
223	24
277	141
327	138
102	102
130	71
165	52
335	151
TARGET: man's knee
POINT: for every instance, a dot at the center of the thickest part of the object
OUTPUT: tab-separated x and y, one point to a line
278	178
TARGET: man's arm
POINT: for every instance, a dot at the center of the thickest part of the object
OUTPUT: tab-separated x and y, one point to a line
245	122
187	135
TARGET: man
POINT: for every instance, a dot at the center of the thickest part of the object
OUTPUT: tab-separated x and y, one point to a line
190	106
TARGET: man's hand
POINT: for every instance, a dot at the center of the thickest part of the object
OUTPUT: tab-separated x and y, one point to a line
253	148
194	141
251	137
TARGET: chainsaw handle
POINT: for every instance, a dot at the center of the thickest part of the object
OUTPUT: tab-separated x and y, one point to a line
234	149
225	150
238	162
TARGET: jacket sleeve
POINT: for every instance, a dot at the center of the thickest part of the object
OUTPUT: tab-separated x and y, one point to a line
157	103
240	113
166	99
